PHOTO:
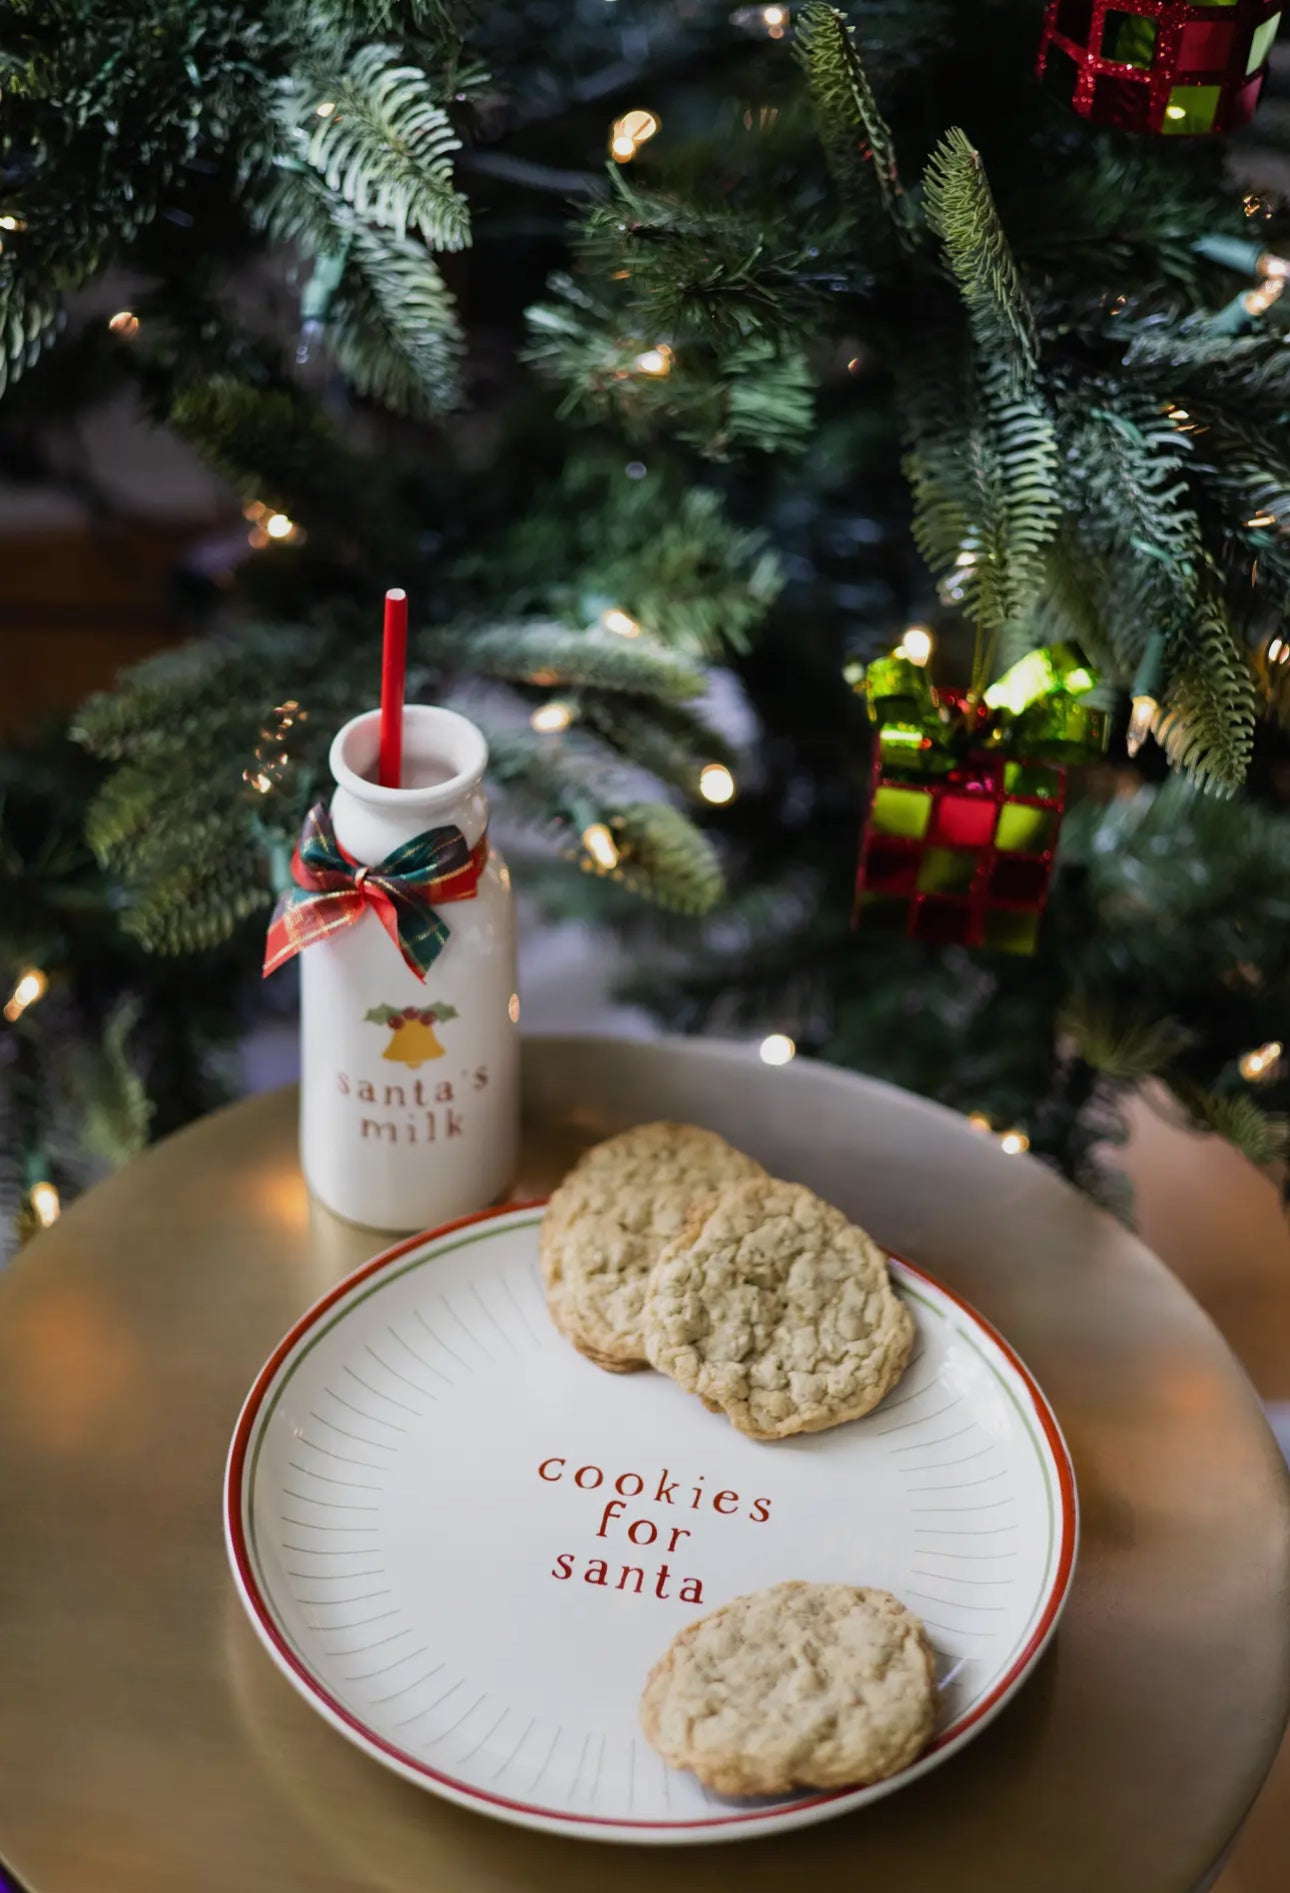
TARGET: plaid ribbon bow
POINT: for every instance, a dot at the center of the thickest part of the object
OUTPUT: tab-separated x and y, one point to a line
333	891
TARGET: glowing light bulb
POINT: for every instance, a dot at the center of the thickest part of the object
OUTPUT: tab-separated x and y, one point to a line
600	845
716	784
550	718
630	132
777	1049
965	560
620	622
1014	1143
124	322
655	361
1279	651
980	1123
1175	111
12	223
774	16
45	1204
638	126
1275	267
1257	520
279	526
325	108
1258	301
31	986
1141	723
513	1008
916	645
1262	1062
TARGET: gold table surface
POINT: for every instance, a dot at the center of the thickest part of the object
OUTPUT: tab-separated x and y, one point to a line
147	1744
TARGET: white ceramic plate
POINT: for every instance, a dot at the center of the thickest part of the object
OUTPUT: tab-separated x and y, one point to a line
466	1545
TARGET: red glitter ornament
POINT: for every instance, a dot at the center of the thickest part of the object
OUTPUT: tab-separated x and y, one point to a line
1160	66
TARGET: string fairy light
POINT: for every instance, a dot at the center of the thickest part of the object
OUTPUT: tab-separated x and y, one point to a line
630	132
1278	651
280	526
272	757
1013	1143
656	361
777	1048
324	108
600	845
1258	1066
1146	694
1258	301
917	645
620	622
30	986
550	718
45	1203
716	784
125	322
12	223
771	20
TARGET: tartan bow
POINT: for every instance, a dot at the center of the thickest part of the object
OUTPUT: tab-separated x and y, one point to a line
333	890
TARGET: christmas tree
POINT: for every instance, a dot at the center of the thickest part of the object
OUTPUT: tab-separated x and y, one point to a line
645	343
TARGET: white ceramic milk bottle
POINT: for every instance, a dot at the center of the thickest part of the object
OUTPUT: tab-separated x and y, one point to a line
409	1093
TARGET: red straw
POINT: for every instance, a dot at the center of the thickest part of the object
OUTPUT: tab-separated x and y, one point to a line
394	665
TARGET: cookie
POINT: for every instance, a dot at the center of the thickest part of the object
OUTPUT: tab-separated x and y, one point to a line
775	1309
799	1686
609	1221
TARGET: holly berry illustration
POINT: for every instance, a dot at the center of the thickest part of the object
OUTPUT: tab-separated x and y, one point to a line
413	1040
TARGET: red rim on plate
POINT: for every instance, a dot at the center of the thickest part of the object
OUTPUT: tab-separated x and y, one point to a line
554	1818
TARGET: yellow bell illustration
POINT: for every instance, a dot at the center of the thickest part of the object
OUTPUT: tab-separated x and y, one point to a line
413	1040
412	1043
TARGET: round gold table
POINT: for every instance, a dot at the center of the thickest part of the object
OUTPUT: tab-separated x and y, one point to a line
147	1745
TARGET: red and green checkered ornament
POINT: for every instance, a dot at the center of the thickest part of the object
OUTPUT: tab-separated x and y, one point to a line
968	797
1159	66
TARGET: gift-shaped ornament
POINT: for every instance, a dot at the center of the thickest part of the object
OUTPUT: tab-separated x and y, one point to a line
968	798
965	859
1160	66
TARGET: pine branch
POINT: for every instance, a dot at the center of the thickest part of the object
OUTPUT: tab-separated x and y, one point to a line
701	270
274	445
31	315
669	740
659	547
116	1109
1207	728
857	142
984	473
661	854
1129	469
553	656
394	328
667	858
961	211
770	399
386	146
1261	1136
1133	1045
